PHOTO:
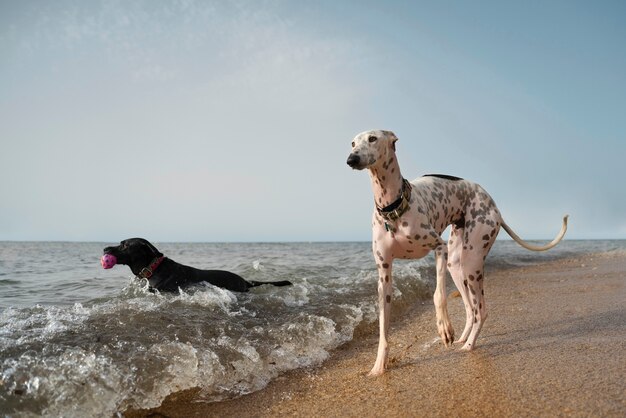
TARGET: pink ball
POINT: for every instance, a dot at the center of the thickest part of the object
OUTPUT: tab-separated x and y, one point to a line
108	261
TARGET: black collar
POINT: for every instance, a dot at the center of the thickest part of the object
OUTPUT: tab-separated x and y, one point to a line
399	206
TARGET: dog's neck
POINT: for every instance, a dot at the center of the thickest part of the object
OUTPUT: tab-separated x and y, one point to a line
386	181
146	272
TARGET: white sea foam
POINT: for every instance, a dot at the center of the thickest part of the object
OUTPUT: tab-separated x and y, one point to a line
211	297
74	383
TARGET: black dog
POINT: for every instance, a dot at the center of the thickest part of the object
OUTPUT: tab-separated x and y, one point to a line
165	274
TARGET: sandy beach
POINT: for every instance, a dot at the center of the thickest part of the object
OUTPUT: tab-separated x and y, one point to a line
554	344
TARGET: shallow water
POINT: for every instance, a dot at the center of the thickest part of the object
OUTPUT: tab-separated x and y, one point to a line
76	340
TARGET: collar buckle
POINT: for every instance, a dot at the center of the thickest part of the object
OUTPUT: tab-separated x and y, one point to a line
395	210
145	273
148	272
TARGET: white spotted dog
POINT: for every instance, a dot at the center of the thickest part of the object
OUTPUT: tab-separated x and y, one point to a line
408	222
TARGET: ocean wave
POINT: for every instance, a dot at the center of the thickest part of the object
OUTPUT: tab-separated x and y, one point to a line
134	349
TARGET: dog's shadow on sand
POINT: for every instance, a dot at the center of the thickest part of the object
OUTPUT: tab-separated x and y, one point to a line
578	331
592	328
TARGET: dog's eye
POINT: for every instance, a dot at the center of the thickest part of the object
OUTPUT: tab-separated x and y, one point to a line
353	144
372	139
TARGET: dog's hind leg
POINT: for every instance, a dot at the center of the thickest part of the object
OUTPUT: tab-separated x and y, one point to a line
473	275
455	249
477	243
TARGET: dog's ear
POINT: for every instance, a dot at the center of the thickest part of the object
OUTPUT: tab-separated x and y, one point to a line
393	139
154	250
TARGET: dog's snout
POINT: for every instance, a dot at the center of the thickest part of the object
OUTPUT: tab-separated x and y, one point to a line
353	160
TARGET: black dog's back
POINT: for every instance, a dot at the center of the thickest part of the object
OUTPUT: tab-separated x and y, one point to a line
254	283
172	275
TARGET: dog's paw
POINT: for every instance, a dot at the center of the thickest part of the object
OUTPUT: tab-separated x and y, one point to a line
466	333
446	332
376	371
467	347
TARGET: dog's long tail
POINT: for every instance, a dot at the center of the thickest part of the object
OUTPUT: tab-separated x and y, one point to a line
281	283
530	247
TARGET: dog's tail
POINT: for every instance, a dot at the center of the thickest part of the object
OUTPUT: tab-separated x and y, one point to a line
281	283
534	247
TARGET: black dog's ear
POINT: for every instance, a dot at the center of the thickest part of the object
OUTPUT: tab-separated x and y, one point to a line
156	252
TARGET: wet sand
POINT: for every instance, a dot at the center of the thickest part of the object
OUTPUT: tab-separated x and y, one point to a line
554	344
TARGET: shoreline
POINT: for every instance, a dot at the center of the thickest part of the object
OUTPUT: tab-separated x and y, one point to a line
554	344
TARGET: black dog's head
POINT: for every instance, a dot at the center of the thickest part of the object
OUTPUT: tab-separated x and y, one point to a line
136	253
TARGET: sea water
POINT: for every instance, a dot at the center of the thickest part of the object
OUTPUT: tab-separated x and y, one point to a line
76	340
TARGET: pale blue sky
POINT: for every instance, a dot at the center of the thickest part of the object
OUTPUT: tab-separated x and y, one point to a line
232	121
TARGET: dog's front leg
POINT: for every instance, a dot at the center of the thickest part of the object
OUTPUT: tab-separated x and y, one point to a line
444	327
385	291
